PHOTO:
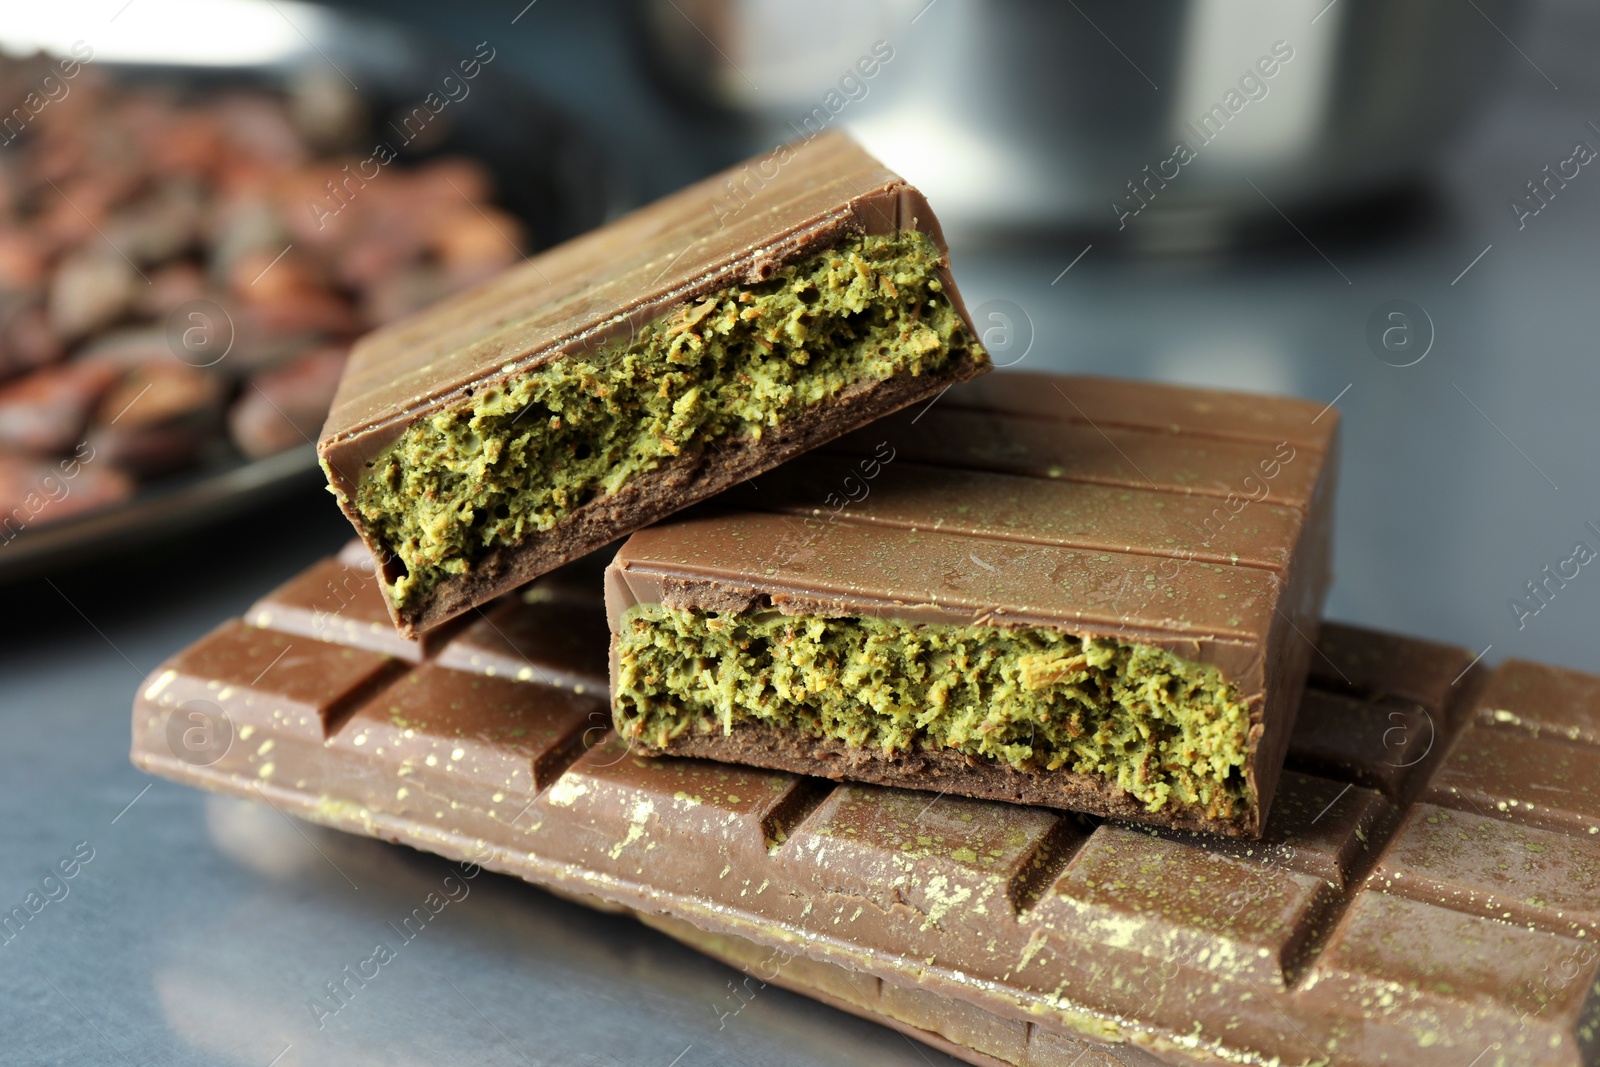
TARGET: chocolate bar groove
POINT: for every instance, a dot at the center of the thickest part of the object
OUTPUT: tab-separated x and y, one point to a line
1052	852
793	810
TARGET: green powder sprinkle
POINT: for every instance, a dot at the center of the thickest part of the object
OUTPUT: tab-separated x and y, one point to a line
1164	729
521	458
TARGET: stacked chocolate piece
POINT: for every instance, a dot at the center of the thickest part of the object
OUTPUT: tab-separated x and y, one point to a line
1002	715
1011	600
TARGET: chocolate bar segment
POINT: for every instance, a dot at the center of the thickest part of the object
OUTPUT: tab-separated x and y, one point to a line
1321	827
345	594
1543	702
1487	770
460	738
998	597
1482	866
1463	984
635	370
1398	672
1337	735
269	681
1356	931
538	635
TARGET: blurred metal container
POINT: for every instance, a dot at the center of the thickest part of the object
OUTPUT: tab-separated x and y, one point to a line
1170	121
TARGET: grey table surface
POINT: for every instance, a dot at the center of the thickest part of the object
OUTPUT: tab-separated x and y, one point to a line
201	927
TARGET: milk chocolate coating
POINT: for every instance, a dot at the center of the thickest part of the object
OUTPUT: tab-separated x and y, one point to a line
1187	519
575	297
1422	926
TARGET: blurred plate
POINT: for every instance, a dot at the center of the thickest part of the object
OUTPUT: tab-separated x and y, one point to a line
169	507
547	174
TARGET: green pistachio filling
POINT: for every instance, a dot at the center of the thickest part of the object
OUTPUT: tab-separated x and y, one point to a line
1168	731
521	457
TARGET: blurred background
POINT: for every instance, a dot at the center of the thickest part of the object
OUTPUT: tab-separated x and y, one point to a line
1384	207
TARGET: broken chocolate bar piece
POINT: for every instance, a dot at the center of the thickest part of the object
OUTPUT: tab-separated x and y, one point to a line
1072	592
1361	930
638	369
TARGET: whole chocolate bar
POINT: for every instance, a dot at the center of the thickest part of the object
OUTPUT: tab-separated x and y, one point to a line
635	370
1425	893
1080	593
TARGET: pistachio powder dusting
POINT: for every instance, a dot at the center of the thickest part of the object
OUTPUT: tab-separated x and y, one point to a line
521	458
1164	729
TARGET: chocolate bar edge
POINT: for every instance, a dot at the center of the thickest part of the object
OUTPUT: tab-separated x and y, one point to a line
939	1025
593	889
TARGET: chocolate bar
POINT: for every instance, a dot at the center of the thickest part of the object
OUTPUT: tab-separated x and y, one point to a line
1072	592
628	373
1424	900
